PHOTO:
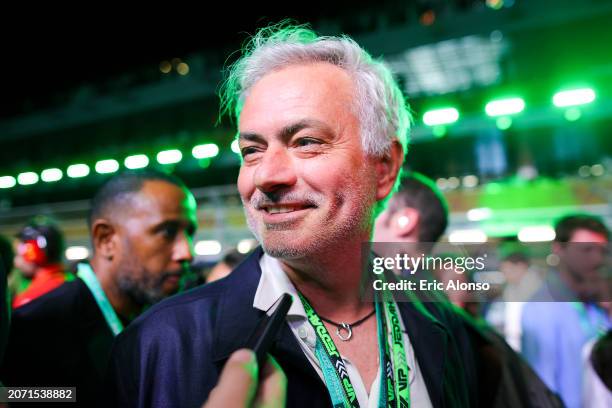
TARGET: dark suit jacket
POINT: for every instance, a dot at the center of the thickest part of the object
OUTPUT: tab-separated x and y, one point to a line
173	354
59	339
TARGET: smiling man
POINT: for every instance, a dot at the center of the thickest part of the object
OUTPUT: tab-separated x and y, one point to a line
322	133
141	226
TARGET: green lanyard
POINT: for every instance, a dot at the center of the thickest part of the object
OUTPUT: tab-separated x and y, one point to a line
400	364
394	388
89	277
597	329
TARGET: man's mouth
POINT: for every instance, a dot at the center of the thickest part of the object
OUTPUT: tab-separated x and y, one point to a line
284	208
172	276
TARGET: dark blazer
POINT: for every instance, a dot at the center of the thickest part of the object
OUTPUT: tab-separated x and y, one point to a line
173	354
59	339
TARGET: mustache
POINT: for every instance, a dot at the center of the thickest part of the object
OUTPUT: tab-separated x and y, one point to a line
259	200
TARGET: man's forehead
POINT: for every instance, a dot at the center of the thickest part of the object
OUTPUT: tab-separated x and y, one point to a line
298	83
585	235
318	93
162	196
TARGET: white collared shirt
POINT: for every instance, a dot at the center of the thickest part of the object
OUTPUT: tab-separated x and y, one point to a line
274	282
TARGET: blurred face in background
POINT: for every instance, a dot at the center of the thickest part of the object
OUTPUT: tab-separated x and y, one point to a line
27	269
219	271
583	259
155	241
513	271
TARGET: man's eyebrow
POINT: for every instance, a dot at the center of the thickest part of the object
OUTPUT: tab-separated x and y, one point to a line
287	131
179	222
251	137
293	128
166	223
189	225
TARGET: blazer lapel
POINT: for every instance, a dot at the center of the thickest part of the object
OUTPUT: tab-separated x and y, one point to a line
237	318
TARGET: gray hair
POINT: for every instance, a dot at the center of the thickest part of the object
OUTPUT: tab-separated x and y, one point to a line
381	108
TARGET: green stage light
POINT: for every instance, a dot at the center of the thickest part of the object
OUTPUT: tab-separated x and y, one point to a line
204	163
137	161
77	170
500	107
539	233
7	182
475	235
205	151
27	178
443	116
169	156
51	175
597	170
439	131
107	166
572	114
503	122
573	97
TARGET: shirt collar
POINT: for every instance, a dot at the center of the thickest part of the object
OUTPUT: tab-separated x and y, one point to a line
273	283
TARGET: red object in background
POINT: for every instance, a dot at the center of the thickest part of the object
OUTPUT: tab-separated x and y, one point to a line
46	279
32	252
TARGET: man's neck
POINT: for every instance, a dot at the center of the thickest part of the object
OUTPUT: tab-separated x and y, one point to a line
331	282
123	305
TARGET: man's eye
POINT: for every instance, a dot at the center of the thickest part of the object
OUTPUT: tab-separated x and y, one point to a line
245	151
306	141
169	232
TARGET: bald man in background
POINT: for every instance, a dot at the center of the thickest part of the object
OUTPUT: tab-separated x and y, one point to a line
141	226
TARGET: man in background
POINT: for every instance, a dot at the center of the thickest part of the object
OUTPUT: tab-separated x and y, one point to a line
225	266
521	283
417	212
565	315
415	219
40	250
141	227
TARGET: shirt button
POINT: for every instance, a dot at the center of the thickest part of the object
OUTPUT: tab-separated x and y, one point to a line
311	341
302	333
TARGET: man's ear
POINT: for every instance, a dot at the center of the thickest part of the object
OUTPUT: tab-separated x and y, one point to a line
387	169
104	238
405	223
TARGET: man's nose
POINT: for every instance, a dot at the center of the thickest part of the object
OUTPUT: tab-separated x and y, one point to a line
183	248
275	170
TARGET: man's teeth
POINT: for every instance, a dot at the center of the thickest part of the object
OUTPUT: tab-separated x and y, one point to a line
279	210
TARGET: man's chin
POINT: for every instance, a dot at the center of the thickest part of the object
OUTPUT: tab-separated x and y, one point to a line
283	250
171	285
